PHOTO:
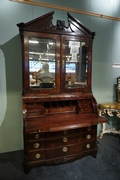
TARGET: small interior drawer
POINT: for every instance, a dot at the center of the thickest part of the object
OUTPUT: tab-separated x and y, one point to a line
85	103
35	114
86	109
34	104
33	107
59	110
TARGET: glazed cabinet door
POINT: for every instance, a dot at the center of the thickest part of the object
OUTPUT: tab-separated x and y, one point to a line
41	63
76	62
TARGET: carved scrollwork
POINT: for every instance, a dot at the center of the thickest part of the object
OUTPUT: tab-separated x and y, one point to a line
110	112
118	114
60	25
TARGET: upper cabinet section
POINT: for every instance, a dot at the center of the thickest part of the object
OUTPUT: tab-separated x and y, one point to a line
56	59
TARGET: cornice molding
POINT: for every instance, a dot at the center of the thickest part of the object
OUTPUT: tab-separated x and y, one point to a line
31	2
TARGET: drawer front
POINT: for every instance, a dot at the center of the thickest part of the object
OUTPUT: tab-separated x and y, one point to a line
35	114
34	145
86	109
34	109
89	136
63	141
36	136
63	151
67	133
89	145
60	110
36	155
34	105
85	103
90	129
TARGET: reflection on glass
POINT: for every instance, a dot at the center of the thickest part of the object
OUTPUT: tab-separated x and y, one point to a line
41	62
76	64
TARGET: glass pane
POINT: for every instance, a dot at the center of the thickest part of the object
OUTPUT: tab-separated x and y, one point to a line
76	64
41	62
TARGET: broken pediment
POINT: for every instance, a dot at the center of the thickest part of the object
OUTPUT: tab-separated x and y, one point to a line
44	24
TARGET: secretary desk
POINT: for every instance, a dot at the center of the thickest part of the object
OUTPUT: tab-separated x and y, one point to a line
60	113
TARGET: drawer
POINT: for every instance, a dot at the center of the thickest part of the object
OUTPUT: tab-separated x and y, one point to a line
63	151
85	106
89	136
63	141
36	136
67	133
36	155
59	110
85	103
34	145
89	145
35	109
86	109
90	129
34	105
35	114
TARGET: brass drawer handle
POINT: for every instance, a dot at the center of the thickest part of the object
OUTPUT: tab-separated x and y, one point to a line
37	156
36	145
88	146
65	139
89	128
37	136
88	136
65	132
65	149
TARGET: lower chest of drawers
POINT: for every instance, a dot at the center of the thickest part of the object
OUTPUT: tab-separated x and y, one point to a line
40	147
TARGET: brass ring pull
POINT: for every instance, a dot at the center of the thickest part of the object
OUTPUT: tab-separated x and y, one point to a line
88	136
37	156
65	149
36	145
65	139
88	146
